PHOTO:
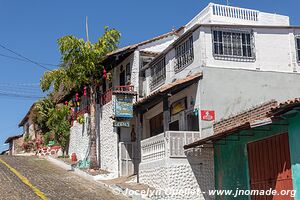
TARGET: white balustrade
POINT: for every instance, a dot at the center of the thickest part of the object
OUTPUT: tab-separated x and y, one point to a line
153	148
234	12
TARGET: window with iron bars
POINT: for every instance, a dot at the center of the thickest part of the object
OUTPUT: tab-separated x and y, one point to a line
184	54
158	73
298	47
232	44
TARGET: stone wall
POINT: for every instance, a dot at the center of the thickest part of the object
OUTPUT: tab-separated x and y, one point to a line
17	145
79	139
108	139
194	173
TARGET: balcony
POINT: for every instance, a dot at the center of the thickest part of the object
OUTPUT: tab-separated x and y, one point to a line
73	116
107	96
167	145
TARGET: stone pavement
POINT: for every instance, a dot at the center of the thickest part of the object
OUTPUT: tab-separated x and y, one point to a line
54	182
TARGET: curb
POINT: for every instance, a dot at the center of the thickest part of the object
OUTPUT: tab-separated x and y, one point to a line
115	189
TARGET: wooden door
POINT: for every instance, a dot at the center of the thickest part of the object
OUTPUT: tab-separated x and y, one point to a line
270	166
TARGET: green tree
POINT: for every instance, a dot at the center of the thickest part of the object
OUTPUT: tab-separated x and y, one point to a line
59	125
41	113
81	65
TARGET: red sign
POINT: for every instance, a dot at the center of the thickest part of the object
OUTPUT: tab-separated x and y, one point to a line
207	115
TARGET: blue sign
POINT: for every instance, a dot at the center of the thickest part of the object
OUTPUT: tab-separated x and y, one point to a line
123	105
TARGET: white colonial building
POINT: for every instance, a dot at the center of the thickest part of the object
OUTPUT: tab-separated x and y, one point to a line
225	60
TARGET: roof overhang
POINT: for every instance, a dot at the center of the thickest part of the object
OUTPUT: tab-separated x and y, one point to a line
219	136
9	139
171	88
285	107
26	117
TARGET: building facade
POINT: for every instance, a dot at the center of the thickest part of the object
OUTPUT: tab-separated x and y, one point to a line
225	60
15	144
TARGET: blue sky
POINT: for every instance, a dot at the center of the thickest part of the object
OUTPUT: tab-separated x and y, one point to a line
32	27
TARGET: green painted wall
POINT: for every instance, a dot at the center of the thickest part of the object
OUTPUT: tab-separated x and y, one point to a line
231	161
294	140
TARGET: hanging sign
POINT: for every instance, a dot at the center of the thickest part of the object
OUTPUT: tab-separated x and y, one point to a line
123	105
121	124
207	115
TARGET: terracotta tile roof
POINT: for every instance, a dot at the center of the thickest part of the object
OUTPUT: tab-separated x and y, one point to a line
235	123
26	117
12	138
249	116
284	107
169	86
244	120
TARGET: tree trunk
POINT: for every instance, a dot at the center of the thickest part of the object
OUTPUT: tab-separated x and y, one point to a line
93	134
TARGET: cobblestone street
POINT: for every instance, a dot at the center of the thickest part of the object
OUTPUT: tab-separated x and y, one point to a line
51	180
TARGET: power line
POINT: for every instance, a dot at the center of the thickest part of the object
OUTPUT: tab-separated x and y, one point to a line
34	62
29	88
19	84
20	59
15	95
22	92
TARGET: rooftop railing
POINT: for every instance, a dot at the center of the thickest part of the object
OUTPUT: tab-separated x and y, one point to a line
234	12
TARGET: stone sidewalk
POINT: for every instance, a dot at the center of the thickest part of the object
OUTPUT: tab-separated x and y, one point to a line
126	186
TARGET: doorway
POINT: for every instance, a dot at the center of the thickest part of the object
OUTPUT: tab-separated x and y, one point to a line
270	166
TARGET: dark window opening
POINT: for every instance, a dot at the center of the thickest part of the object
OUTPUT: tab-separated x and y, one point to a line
192	122
298	47
156	125
122	78
128	73
174	126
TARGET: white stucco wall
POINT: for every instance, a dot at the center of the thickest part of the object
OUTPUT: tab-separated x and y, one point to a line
194	173
275	50
79	140
230	91
232	15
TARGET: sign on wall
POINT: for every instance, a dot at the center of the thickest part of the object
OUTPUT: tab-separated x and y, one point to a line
121	124
123	106
178	106
207	115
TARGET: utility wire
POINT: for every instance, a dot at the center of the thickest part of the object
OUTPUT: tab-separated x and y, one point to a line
17	92
29	60
19	84
6	94
20	59
22	88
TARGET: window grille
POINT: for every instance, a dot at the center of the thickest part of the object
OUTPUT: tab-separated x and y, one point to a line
158	73
298	47
184	54
232	44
